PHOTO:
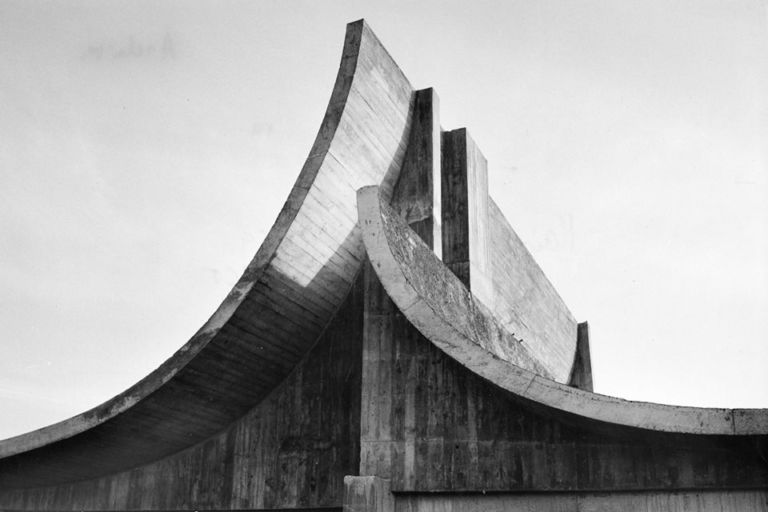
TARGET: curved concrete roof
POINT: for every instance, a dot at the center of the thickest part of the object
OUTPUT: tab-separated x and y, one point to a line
273	315
437	303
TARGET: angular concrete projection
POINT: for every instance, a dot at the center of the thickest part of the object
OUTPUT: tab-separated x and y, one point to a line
417	194
581	373
350	368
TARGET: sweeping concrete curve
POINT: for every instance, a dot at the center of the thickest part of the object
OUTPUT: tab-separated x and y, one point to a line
273	315
436	302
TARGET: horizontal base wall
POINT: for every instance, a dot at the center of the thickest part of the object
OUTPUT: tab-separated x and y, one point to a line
688	501
315	509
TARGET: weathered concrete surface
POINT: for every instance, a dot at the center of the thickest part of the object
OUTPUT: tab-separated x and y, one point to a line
691	501
275	313
485	253
526	303
444	177
436	302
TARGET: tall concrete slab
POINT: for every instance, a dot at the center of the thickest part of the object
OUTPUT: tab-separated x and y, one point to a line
526	303
417	193
581	373
466	244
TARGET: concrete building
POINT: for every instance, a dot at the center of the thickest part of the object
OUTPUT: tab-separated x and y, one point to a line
391	346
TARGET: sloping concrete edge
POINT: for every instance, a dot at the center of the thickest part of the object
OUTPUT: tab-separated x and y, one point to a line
425	290
359	38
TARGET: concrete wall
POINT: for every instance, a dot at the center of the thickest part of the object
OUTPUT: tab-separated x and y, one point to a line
434	424
525	302
484	252
442	194
438	304
430	424
689	501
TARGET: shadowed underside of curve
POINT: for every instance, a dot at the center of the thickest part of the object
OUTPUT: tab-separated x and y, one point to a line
274	314
435	301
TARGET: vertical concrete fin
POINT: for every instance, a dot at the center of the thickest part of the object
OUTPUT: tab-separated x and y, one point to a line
417	193
581	372
466	244
379	319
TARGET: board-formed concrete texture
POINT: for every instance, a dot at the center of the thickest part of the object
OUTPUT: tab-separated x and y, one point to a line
391	346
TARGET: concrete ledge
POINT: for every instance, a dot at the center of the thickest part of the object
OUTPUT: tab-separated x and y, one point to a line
656	501
443	310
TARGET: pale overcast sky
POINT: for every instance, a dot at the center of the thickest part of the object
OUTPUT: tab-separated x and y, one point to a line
146	148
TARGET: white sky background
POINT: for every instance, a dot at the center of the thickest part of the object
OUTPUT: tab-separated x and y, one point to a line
626	143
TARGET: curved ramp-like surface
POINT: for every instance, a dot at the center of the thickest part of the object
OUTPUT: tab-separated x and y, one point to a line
274	314
445	312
